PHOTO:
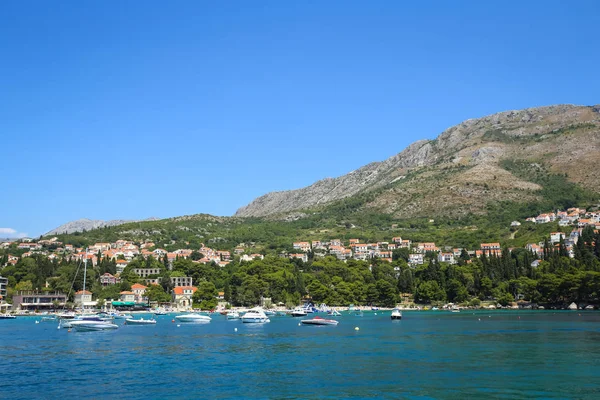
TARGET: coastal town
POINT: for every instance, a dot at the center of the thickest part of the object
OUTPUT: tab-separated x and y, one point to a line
122	252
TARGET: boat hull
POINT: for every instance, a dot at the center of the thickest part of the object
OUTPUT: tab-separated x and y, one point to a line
193	319
93	327
299	314
255	320
396	316
321	322
140	321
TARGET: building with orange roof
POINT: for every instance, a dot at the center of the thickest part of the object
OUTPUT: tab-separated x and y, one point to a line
127	296
182	297
83	299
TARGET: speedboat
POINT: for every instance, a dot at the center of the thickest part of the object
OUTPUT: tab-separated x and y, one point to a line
121	316
49	318
335	313
160	312
233	315
69	323
141	321
319	321
193	317
299	312
89	326
7	316
87	323
255	315
269	313
396	314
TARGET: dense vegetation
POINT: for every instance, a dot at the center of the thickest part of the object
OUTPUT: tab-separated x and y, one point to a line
558	279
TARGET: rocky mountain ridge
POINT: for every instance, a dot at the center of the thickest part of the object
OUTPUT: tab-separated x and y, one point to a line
467	158
85	224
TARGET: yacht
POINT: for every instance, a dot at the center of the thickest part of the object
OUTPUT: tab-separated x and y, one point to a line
91	326
78	320
141	321
255	315
299	312
233	315
396	314
118	315
319	321
193	317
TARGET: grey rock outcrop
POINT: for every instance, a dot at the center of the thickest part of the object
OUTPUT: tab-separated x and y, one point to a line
88	224
474	142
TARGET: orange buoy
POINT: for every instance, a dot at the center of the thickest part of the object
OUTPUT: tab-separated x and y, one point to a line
172	320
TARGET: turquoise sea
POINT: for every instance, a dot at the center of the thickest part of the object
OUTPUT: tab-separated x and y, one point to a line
433	354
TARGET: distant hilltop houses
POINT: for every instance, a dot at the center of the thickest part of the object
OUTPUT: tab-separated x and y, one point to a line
123	251
577	217
572	216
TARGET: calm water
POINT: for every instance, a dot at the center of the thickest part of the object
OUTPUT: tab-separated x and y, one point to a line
433	354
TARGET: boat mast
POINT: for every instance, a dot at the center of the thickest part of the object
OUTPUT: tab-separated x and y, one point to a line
84	272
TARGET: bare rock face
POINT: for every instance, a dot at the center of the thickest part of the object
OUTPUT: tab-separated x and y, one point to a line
544	132
87	224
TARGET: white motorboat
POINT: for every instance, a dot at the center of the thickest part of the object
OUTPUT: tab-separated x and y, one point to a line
7	316
193	317
68	323
255	315
141	321
299	312
233	315
396	314
89	325
335	313
319	321
121	316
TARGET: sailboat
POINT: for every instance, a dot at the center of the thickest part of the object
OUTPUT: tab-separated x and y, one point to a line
87	323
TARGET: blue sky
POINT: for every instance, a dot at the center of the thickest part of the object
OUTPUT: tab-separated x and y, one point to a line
144	108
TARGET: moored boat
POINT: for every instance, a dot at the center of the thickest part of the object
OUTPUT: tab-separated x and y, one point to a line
90	326
299	312
319	321
396	314
69	323
7	316
255	315
141	321
193	317
233	315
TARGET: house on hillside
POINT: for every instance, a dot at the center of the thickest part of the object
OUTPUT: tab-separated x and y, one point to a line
83	299
182	297
139	291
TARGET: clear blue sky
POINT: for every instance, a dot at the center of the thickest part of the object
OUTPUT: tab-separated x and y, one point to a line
144	108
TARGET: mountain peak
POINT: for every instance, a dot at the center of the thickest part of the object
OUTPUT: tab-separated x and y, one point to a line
481	141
